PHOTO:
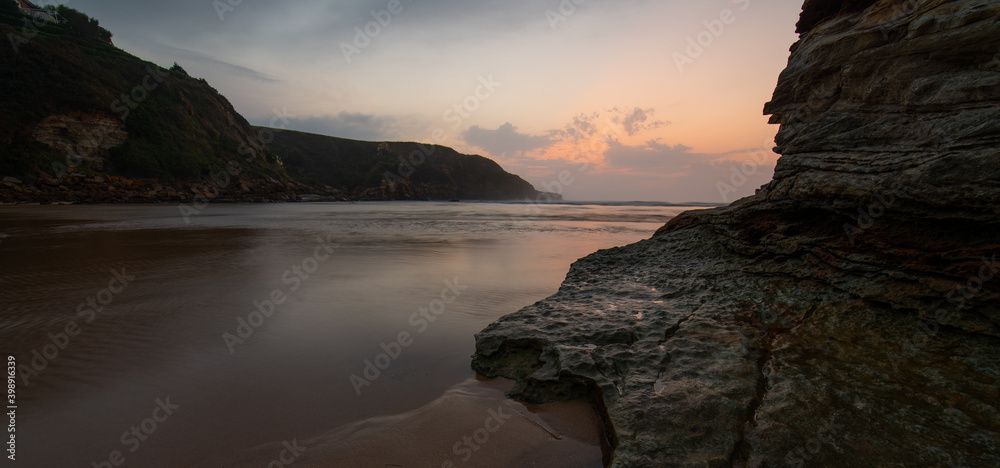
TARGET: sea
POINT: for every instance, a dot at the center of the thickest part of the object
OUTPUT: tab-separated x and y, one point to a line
166	335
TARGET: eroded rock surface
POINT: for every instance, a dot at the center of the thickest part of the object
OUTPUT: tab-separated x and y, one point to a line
846	315
85	138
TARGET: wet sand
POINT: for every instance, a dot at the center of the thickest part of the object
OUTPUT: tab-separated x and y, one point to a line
162	336
471	425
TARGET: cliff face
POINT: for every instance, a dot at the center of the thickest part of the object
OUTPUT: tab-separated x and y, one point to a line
846	315
75	111
70	99
89	136
901	97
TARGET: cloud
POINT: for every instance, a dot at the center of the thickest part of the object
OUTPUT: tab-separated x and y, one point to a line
652	155
610	123
505	140
585	137
634	121
653	171
290	25
184	57
582	127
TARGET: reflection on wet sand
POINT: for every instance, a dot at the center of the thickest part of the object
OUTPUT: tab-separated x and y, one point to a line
471	425
164	333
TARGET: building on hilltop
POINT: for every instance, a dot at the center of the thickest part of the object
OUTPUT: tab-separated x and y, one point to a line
31	9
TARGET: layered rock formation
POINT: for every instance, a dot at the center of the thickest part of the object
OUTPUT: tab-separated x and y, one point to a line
846	315
89	137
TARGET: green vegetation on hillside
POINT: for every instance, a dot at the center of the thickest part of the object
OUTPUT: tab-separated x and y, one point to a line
82	25
354	166
64	86
178	126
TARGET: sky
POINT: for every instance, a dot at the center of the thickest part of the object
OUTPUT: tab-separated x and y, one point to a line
626	100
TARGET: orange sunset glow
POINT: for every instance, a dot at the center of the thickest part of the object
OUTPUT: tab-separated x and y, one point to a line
662	98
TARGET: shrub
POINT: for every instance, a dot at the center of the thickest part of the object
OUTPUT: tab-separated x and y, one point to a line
9	9
179	71
83	25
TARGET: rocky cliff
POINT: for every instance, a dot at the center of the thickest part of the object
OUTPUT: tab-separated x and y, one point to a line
73	103
846	315
91	137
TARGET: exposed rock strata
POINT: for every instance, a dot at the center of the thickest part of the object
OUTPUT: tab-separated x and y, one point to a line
846	315
83	136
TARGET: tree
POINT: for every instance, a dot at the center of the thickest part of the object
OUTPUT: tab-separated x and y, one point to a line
82	24
179	71
9	10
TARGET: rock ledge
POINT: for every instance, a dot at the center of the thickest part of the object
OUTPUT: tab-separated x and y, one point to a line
846	315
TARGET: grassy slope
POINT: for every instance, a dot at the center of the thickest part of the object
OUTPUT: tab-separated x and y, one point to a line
183	129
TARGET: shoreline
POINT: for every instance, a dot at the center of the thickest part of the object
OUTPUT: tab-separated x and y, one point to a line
471	424
292	380
76	188
112	190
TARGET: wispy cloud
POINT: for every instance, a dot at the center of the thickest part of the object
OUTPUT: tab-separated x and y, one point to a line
651	155
505	141
582	135
356	126
183	56
636	121
613	122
